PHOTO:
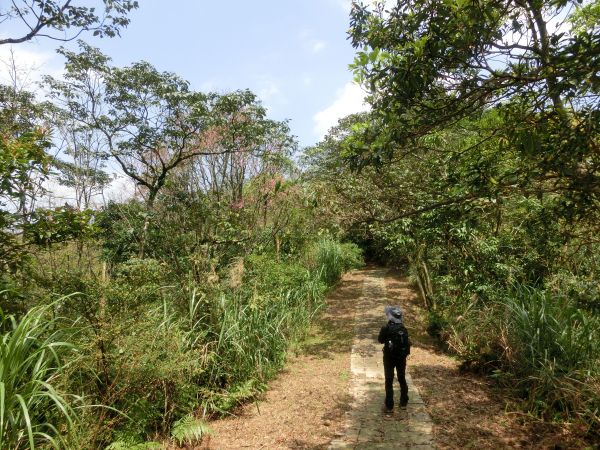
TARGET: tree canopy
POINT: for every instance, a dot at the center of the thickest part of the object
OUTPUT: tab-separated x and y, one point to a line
430	64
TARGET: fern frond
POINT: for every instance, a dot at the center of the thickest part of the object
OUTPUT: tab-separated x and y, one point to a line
189	430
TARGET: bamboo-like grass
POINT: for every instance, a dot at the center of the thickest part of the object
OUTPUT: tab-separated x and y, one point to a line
33	350
250	332
555	352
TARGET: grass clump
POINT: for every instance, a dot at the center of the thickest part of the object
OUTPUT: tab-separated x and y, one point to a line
554	351
34	413
540	343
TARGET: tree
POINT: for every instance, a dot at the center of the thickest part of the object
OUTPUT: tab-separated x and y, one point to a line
22	159
244	143
23	122
64	20
430	64
85	171
153	125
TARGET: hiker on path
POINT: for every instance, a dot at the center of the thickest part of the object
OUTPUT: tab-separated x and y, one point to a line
396	348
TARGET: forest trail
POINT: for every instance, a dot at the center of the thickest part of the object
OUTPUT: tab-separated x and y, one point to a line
330	394
367	426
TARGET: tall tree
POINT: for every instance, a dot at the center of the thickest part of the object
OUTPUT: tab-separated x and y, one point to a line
431	63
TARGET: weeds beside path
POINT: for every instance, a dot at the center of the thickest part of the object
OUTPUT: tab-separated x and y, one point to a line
306	404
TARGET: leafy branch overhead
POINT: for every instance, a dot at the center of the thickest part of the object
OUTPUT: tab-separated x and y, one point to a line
63	20
431	64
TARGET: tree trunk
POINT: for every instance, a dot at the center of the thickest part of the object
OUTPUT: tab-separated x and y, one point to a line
278	247
144	237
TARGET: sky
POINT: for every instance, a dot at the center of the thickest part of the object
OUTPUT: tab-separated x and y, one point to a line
293	54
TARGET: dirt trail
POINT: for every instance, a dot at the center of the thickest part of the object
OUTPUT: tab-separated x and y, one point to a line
367	426
327	399
304	406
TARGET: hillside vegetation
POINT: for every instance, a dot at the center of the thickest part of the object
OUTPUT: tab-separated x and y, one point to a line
476	170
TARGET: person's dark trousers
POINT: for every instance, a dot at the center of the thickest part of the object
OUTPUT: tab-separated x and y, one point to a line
389	364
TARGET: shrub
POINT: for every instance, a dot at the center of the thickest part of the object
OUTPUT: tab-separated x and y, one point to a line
152	367
542	343
331	259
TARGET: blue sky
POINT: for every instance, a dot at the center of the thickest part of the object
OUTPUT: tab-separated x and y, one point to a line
293	54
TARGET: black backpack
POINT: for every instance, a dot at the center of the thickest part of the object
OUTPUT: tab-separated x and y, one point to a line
398	344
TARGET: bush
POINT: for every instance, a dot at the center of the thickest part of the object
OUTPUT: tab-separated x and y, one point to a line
330	258
150	368
540	342
251	328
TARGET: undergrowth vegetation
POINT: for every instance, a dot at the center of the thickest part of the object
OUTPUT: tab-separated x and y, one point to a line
542	340
35	353
174	305
146	356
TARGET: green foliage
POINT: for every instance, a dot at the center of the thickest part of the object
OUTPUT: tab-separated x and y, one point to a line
126	445
553	349
60	224
152	371
330	259
539	342
544	92
21	160
189	431
168	350
54	18
18	158
33	357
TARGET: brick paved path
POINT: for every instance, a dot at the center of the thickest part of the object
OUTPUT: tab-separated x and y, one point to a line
367	425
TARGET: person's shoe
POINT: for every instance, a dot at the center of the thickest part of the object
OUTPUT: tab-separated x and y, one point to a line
389	407
403	402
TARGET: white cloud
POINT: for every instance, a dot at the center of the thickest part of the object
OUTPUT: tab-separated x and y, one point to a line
344	4
310	42
269	92
349	100
208	86
120	189
318	46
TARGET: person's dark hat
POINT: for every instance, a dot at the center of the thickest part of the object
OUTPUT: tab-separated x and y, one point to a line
393	313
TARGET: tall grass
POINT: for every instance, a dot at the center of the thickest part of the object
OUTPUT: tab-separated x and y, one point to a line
252	328
330	259
541	343
33	413
555	351
250	332
213	348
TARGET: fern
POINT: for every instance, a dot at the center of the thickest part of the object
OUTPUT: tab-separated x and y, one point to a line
189	430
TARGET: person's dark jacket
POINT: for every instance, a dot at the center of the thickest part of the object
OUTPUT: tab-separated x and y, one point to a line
386	333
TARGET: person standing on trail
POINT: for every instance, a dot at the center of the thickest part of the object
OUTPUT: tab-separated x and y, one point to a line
396	348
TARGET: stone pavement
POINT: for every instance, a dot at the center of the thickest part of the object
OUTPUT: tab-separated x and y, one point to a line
368	426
